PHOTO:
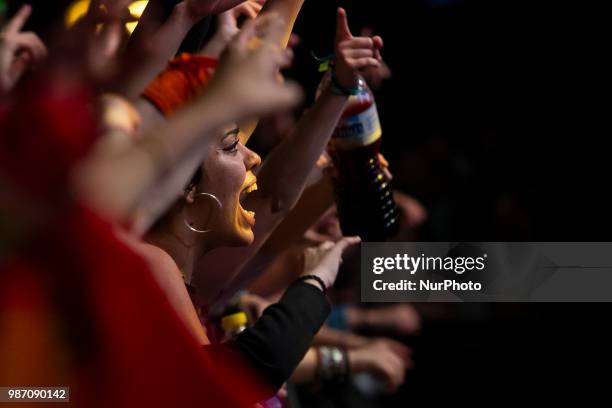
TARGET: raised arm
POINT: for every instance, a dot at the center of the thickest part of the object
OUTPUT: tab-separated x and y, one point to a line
286	11
245	81
156	42
161	40
283	175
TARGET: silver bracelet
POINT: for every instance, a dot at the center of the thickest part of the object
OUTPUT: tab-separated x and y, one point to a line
333	364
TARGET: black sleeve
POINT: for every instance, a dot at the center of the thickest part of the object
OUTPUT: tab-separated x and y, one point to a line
278	341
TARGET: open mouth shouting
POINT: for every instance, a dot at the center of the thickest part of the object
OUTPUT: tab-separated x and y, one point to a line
250	186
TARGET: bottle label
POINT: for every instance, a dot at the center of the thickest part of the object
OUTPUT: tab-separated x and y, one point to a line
358	130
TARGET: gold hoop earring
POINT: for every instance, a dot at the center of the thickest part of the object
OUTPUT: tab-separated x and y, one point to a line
195	197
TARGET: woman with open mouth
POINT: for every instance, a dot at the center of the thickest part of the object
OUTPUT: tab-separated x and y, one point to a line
218	207
233	202
229	211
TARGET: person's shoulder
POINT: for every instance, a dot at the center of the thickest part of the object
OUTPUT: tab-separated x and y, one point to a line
152	254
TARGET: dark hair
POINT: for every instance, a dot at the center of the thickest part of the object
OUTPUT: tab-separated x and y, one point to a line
163	218
195	179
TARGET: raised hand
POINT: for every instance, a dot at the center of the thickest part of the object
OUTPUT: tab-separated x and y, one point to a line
248	76
354	54
324	260
375	76
106	31
384	358
227	26
249	8
204	8
19	51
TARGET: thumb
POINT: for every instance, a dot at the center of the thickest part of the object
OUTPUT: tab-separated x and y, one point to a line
343	32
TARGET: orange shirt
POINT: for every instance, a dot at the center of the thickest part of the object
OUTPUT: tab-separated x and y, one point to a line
185	78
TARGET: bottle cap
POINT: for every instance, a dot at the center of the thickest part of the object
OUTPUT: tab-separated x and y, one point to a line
233	321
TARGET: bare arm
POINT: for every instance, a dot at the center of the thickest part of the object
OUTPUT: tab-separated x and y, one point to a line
288	10
245	80
306	371
115	183
155	43
154	52
281	180
173	183
166	37
312	204
283	176
384	358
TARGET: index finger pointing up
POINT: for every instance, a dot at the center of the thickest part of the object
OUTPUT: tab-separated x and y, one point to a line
343	32
16	23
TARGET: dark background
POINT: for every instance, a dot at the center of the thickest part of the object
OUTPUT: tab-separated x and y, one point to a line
494	120
490	117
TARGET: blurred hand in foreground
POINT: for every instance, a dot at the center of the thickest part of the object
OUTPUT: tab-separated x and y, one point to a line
19	51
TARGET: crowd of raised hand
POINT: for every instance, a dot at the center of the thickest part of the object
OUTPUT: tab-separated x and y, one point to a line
133	214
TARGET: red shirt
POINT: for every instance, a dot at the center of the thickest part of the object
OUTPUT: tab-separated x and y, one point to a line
77	307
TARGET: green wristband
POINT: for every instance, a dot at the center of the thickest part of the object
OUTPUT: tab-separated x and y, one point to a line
337	89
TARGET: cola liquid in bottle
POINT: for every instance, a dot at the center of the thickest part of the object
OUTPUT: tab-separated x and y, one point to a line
364	197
